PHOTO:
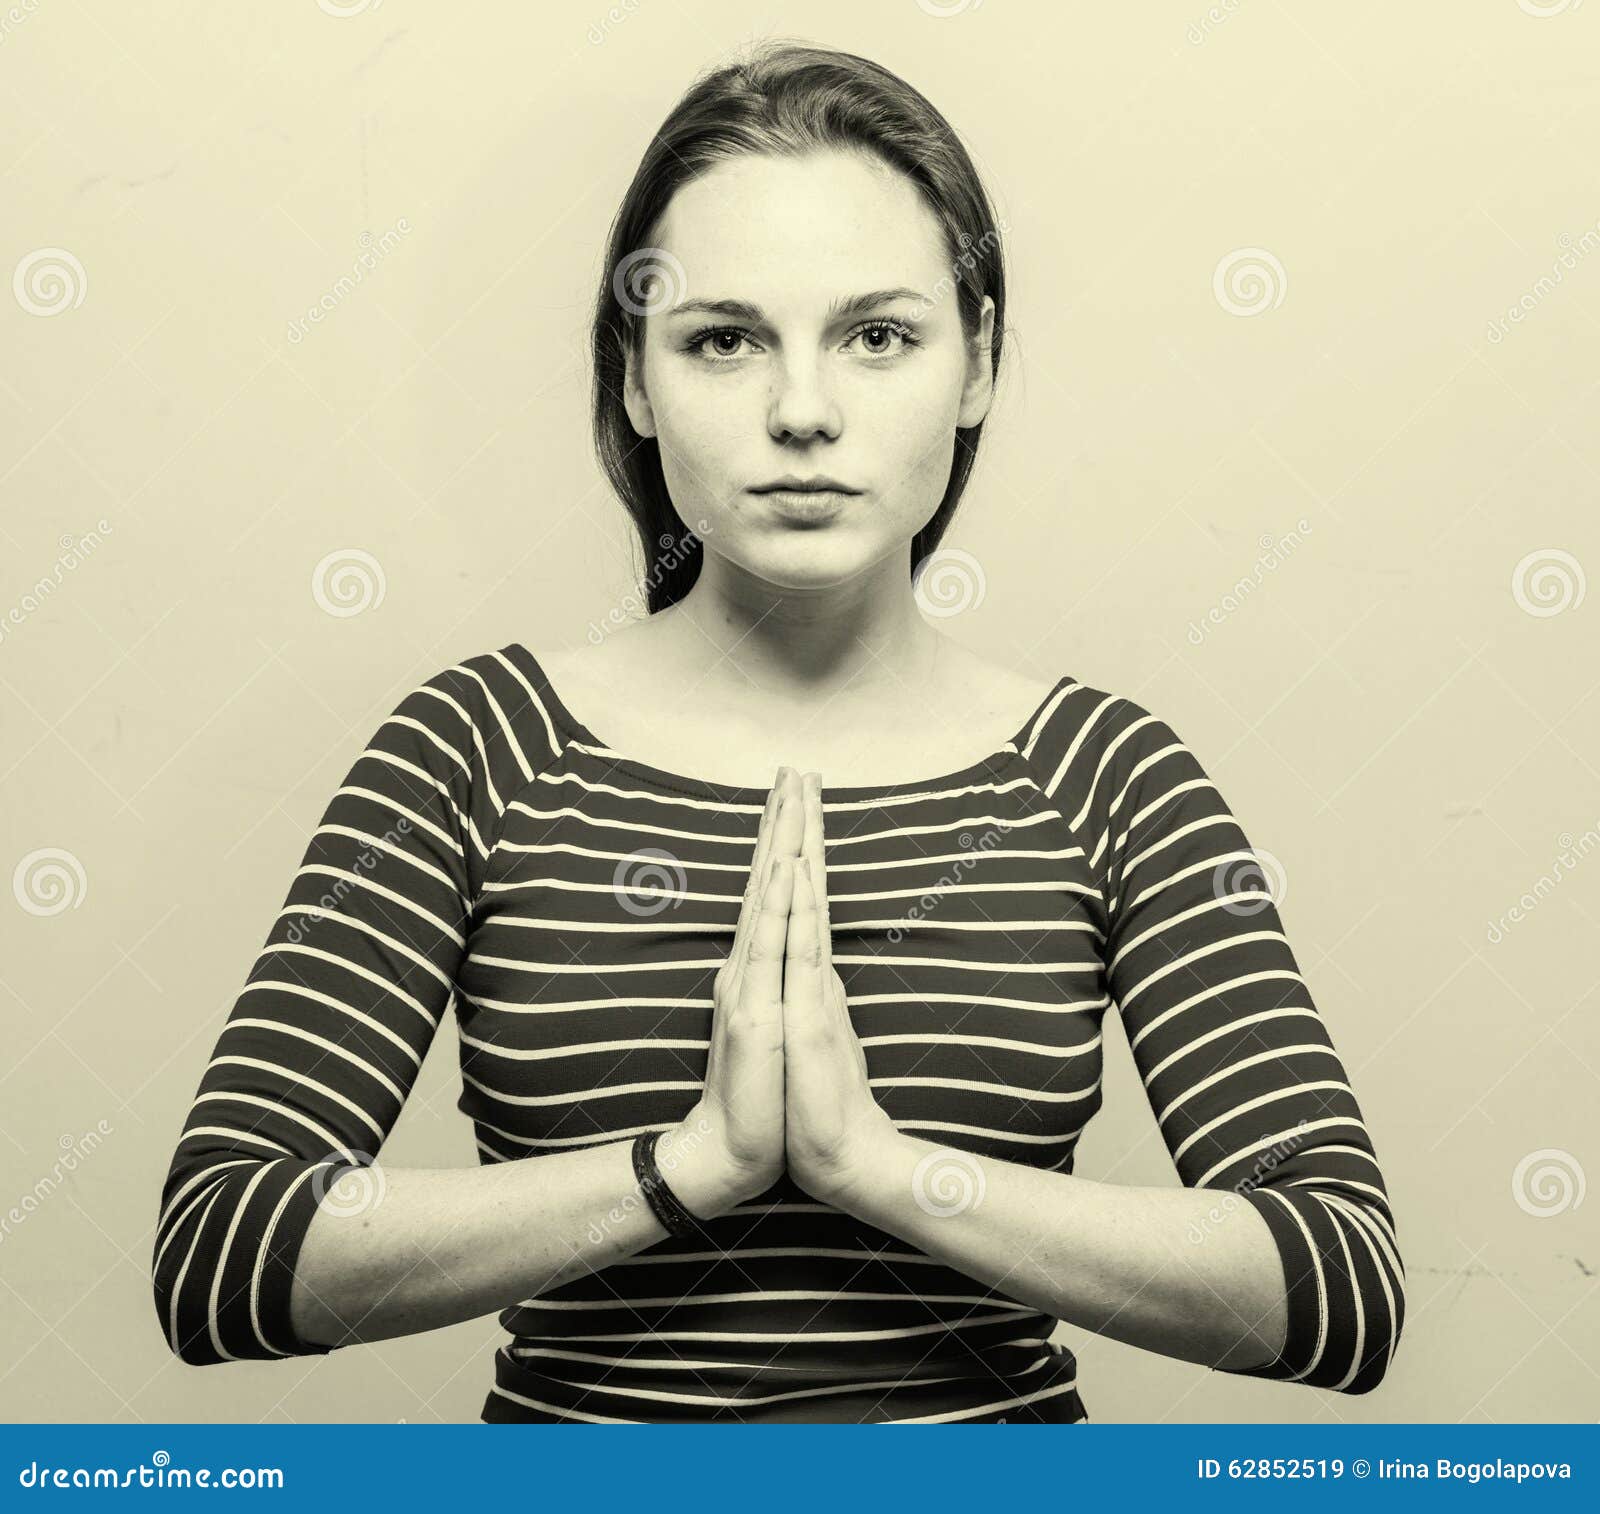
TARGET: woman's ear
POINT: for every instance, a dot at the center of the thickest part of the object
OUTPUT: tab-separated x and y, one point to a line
640	410
979	388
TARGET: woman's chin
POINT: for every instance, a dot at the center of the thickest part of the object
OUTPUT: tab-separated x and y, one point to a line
815	562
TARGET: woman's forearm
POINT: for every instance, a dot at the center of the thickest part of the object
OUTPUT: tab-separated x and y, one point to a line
444	1245
1189	1272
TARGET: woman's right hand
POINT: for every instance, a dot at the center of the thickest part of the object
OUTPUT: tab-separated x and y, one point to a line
730	1146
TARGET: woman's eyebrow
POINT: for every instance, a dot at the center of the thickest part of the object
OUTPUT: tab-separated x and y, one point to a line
855	304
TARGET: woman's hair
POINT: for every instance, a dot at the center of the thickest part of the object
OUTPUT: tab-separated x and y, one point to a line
784	99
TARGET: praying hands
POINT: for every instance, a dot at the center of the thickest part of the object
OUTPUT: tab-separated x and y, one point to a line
786	1077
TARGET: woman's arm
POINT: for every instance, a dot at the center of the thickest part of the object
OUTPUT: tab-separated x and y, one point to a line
326	1038
1278	1258
1120	1261
445	1245
276	1236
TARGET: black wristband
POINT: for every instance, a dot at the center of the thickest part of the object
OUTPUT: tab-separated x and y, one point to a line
662	1200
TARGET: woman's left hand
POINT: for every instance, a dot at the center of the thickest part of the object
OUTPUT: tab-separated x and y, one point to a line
832	1123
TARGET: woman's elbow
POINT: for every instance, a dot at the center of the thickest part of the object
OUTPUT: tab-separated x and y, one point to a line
187	1331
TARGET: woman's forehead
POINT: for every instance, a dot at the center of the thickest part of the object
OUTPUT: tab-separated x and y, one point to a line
765	229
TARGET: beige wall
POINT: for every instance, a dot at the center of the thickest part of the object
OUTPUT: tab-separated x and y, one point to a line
1386	701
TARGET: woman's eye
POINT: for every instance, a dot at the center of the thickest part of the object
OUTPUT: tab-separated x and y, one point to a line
724	342
879	337
721	343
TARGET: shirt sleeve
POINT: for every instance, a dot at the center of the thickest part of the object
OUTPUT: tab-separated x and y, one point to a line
326	1038
1248	1092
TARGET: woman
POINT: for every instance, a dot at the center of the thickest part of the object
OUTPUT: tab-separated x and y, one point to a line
801	1066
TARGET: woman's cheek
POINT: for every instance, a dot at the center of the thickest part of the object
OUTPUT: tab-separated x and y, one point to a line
911	426
695	453
917	473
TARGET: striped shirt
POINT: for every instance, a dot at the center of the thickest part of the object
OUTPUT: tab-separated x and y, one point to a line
573	903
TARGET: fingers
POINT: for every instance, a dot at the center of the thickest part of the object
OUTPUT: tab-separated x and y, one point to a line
802	965
788	830
754	1079
757	879
830	994
781	799
777	800
813	849
761	986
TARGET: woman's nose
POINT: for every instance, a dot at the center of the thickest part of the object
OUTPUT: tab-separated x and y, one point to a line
802	403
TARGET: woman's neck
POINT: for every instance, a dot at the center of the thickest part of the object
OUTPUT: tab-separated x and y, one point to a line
798	647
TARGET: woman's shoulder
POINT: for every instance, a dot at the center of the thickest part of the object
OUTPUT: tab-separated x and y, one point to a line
598	663
494	703
1085	735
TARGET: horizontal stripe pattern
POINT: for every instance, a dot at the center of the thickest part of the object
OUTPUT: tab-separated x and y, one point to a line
1242	1077
487	850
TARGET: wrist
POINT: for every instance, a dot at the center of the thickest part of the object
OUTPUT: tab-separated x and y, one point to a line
858	1183
704	1183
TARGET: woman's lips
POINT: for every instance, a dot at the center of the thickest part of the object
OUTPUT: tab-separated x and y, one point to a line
806	504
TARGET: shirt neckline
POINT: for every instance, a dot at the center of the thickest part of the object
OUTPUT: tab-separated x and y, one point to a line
985	767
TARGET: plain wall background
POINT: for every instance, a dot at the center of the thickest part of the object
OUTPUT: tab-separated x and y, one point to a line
1397	698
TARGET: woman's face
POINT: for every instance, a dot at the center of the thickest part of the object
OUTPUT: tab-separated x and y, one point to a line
805	324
